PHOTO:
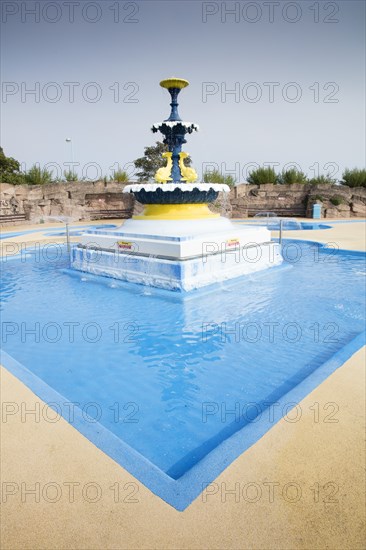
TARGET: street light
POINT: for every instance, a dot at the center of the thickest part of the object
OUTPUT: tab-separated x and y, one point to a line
69	140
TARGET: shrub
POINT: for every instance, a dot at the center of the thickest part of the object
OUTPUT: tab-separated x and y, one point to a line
15	179
216	177
336	200
319	198
354	178
262	175
292	176
38	176
120	176
69	176
323	179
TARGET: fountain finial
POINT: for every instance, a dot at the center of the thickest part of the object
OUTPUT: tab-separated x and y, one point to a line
174	82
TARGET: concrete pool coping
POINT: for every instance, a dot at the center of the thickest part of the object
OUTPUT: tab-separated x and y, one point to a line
289	453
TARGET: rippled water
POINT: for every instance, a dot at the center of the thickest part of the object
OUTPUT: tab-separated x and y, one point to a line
174	375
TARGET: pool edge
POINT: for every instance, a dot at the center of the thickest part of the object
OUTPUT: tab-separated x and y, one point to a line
182	492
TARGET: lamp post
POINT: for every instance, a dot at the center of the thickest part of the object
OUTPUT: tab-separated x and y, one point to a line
69	140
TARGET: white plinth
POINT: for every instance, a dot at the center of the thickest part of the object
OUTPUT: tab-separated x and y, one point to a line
173	239
176	255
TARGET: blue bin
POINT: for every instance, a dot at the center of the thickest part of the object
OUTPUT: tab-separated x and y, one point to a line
317	211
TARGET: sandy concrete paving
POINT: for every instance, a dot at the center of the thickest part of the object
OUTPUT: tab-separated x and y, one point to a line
301	486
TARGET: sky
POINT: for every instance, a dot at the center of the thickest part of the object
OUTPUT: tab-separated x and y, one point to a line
271	83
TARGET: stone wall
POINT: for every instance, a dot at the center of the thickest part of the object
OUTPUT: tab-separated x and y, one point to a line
86	200
80	201
298	200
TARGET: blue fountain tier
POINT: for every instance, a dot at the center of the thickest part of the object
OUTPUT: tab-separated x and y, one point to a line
167	126
176	193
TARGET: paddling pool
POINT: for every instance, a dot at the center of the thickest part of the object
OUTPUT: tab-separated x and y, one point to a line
174	387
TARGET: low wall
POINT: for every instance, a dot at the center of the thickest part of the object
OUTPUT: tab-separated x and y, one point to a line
298	200
80	200
87	200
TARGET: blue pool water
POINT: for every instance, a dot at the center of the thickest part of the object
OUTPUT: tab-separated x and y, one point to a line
174	376
74	230
287	225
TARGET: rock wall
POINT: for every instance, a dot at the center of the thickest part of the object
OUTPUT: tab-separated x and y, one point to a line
86	201
80	201
298	200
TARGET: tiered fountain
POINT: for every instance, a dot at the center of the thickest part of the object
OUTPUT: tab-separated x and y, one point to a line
177	243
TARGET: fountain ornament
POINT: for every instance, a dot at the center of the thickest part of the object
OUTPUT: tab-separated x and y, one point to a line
177	243
175	179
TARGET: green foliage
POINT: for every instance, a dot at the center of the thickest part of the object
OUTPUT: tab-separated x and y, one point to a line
322	179
336	200
354	178
261	176
14	179
216	177
10	169
70	176
319	198
152	161
38	176
120	176
292	176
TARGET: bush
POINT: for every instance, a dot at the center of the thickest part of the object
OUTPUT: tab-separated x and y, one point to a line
319	198
262	176
216	177
292	176
70	176
38	176
120	176
336	200
14	179
354	178
323	179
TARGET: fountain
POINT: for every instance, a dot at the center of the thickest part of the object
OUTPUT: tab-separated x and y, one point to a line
177	243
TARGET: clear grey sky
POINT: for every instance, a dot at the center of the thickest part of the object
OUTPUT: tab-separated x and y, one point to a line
296	71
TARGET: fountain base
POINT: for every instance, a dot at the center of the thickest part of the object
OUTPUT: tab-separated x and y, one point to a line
176	254
176	212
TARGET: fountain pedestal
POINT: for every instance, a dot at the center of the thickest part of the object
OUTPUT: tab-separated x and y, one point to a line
177	254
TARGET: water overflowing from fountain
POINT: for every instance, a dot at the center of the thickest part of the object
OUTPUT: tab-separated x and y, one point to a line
149	271
225	204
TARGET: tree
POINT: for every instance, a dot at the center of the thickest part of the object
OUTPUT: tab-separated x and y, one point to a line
152	161
10	169
216	177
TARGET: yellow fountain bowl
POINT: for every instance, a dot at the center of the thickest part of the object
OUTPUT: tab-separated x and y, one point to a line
176	212
174	83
